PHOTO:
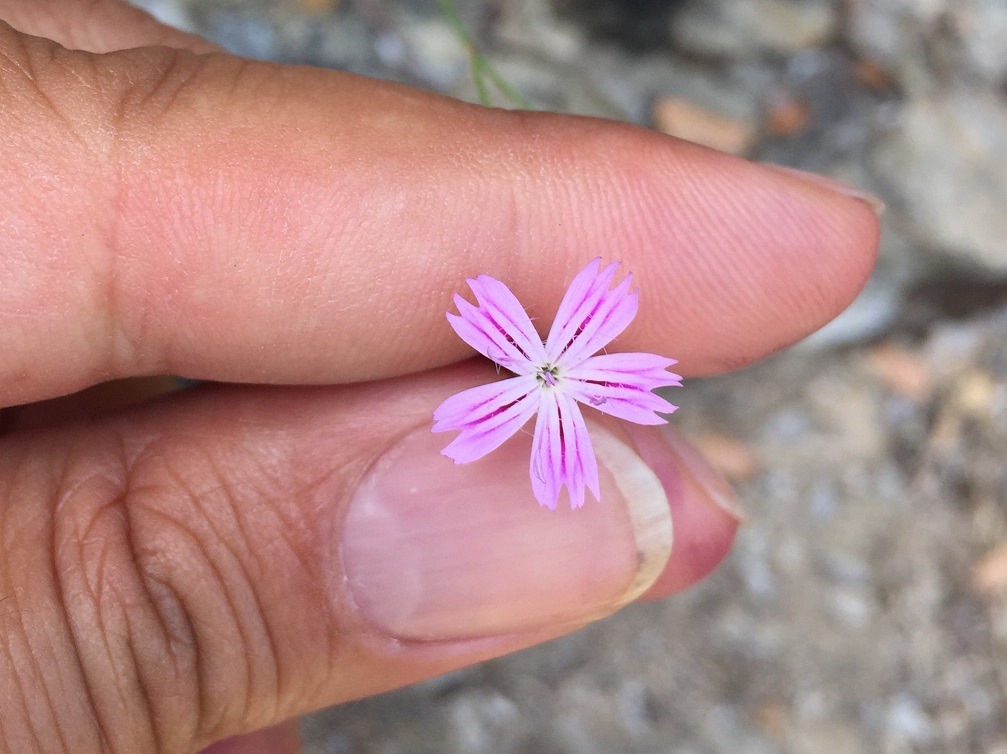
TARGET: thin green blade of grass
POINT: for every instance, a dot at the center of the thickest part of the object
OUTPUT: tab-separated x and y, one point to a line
479	66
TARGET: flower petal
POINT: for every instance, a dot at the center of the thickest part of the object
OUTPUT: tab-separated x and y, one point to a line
646	370
486	415
500	303
620	384
582	467
499	328
591	315
561	452
545	452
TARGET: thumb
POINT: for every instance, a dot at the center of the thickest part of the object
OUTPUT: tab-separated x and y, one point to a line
235	556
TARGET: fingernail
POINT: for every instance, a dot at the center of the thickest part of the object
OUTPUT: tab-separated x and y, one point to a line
703	505
699	472
437	551
841	187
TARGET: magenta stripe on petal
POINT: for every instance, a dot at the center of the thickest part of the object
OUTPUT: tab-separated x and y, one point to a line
633	404
643	370
487	416
465	407
478	329
580	466
507	313
614	312
546	453
581	299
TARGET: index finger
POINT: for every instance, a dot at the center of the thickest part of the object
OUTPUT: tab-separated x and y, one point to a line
221	219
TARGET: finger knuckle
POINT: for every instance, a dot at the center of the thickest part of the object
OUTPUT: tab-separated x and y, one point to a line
161	560
129	632
144	630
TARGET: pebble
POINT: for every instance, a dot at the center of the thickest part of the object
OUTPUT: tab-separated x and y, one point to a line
928	40
741	28
989	573
731	456
687	120
903	371
944	163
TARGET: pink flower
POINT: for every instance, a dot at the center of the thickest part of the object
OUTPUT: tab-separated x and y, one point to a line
552	378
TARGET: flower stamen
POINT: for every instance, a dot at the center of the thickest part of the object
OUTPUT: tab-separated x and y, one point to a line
548	375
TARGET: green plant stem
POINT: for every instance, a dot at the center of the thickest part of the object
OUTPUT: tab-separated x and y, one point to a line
480	67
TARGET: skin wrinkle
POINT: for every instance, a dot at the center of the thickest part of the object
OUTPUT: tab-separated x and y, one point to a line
149	602
198	668
226	593
6	504
334	632
128	316
287	526
145	691
231	499
228	588
97	581
179	637
19	44
22	696
37	70
139	643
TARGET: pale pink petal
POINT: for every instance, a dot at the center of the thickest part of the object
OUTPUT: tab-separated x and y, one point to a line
581	298
644	370
504	308
499	328
546	455
631	404
579	461
620	384
562	453
486	415
591	315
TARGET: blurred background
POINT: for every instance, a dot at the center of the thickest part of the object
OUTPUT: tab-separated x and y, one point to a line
864	608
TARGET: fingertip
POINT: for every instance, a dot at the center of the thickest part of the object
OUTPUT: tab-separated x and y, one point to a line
704	511
279	739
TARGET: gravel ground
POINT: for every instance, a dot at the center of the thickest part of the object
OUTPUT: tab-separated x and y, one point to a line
864	608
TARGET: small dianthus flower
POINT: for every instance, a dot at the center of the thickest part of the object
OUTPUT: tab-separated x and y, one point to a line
552	378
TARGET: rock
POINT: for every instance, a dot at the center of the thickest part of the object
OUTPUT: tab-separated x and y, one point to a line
867	317
480	721
434	51
908	722
743	28
928	41
989	574
685	120
168	12
983	29
786	115
903	371
943	159
730	456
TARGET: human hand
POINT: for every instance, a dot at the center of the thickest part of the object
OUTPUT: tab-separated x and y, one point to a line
221	560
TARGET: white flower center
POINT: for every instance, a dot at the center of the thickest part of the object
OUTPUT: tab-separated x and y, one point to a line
548	375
